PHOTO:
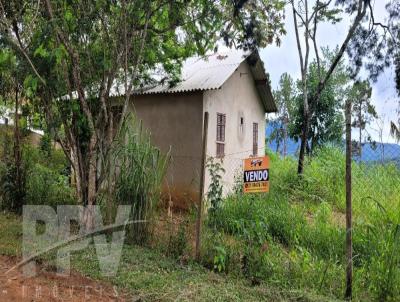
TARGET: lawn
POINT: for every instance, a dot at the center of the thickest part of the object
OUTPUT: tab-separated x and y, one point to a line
150	275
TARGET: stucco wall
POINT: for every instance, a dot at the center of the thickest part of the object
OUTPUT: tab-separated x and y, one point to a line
237	98
175	120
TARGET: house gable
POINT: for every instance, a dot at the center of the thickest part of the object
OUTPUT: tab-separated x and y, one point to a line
238	99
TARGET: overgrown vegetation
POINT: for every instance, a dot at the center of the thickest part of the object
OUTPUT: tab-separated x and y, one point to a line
134	172
45	176
291	238
294	236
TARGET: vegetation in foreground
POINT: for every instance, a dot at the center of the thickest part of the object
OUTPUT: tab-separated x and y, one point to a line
150	275
285	245
294	237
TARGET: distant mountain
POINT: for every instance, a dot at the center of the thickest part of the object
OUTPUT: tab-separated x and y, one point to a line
378	152
292	146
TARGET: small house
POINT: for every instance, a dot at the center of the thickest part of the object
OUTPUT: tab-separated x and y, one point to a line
233	88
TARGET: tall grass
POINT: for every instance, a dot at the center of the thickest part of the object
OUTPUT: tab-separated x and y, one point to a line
134	172
295	234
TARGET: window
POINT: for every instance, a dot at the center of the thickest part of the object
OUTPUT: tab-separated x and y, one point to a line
241	125
255	139
221	122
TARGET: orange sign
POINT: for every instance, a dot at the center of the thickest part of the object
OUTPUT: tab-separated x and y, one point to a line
256	175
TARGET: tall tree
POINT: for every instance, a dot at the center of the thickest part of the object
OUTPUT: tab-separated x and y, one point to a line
89	51
326	123
285	100
12	94
363	110
307	19
376	46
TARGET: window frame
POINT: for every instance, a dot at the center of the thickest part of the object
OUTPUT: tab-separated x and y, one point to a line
220	135
255	139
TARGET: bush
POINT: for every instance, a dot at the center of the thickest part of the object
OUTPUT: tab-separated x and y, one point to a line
177	243
294	236
47	187
12	177
135	170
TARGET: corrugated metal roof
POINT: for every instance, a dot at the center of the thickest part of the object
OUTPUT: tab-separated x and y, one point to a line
211	72
204	73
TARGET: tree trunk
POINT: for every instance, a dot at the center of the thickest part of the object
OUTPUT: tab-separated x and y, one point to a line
360	134
349	242
17	156
285	136
91	181
305	130
278	143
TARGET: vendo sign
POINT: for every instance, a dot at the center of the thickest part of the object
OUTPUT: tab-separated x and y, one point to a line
256	175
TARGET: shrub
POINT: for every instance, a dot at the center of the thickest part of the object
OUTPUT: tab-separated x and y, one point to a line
47	187
177	243
135	170
214	193
12	177
301	222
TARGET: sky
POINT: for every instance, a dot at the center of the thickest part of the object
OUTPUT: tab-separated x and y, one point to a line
285	58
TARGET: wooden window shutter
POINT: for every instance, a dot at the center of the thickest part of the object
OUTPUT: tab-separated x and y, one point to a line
221	125
255	139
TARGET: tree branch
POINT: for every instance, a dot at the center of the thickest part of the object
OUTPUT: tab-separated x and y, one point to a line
296	29
360	15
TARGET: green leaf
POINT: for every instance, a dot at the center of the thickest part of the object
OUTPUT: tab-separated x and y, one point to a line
41	52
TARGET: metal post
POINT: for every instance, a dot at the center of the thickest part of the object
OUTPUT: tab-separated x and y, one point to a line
349	243
201	195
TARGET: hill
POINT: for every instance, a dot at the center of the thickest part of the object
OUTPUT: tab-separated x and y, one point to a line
371	152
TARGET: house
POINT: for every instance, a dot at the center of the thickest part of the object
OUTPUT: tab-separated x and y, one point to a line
233	88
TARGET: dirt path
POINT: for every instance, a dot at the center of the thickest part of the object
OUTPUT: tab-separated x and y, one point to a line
48	286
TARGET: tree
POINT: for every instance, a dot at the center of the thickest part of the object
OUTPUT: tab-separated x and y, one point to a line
308	18
284	98
376	46
326	114
363	110
12	94
81	53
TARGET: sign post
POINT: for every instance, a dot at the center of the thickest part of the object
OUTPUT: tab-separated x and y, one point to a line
256	175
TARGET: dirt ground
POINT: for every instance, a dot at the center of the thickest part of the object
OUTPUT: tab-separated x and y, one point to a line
48	286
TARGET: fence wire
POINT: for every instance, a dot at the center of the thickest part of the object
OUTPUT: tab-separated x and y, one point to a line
376	171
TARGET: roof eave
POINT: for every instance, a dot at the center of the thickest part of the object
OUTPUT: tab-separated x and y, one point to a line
262	82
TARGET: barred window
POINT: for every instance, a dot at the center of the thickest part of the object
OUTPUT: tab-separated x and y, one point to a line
221	123
255	139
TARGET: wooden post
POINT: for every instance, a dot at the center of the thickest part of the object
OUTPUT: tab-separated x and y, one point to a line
201	195
349	240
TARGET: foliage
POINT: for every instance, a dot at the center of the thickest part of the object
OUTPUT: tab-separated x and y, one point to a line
12	191
135	170
150	275
363	111
220	259
395	131
214	193
82	51
238	182
48	187
325	114
285	100
294	236
178	242
45	177
45	144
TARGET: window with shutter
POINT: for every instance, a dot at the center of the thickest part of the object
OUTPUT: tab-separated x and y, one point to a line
221	122
255	139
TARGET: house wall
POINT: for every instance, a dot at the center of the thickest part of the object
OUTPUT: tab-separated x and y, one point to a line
237	98
175	121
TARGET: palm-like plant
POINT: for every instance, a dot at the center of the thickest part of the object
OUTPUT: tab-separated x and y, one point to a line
395	131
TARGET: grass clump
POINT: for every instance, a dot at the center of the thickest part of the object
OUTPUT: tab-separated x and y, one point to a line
294	236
